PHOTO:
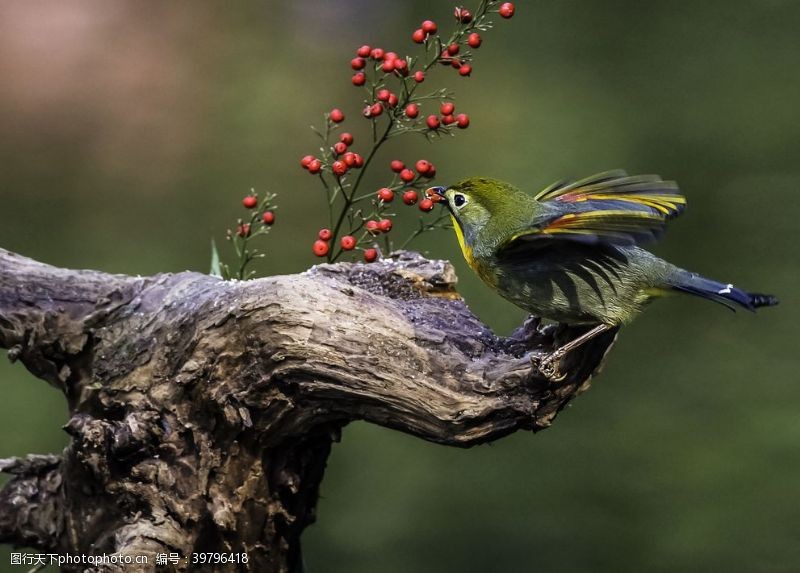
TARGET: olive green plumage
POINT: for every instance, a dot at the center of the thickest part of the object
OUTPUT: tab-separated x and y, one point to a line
571	253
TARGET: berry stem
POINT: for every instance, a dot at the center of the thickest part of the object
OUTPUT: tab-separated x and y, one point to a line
246	230
423	227
349	199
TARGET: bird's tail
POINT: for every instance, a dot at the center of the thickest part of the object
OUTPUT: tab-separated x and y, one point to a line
725	294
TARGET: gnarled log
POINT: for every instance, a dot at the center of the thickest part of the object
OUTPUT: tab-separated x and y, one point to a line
203	411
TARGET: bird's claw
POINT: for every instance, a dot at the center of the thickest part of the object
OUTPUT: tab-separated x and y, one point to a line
548	367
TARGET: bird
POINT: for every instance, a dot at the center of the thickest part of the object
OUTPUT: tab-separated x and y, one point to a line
572	253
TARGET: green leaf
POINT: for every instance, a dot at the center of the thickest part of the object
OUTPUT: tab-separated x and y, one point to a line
216	270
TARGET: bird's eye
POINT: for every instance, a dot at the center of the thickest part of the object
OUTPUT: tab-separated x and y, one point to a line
459	200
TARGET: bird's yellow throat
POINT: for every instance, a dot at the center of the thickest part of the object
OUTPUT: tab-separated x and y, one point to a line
465	249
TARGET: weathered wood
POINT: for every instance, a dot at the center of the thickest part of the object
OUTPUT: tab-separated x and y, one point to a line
203	411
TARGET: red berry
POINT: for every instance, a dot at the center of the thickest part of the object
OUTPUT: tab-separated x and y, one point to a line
390	56
359	79
325	235
397	166
337	115
348	242
377	54
358	63
372	227
448	119
455	62
359	160
506	10
243	229
422	166
433	122
474	40
465	70
400	66
346	138
429	27
363	51
393	100
433	196
339	147
419	76
385	225
412	110
339	168
268	217
407	175
250	201
462	120
320	248
373	110
315	166
388	65
410	197
370	255
306	160
349	159
426	205
386	195
431	172
419	35
463	15
383	95
452	49
447	108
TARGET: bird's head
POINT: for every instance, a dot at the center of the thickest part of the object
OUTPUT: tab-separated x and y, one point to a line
477	201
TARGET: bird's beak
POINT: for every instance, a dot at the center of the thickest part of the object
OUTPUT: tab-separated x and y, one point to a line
436	194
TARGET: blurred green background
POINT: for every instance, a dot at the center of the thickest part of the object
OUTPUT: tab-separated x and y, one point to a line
129	131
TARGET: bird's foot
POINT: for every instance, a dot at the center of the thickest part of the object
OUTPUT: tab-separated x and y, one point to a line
548	366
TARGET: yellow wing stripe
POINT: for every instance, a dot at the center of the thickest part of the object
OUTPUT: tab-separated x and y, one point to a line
593	223
666	204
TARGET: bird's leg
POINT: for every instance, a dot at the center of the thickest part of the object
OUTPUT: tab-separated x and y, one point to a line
548	365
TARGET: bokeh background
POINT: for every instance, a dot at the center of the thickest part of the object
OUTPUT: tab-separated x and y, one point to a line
129	131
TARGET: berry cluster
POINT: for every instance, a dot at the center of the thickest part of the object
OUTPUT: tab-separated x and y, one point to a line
321	246
393	105
261	219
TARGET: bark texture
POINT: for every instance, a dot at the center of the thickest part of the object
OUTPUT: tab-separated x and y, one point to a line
203	411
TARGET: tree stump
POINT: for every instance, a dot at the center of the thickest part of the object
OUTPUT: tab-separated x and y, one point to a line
202	411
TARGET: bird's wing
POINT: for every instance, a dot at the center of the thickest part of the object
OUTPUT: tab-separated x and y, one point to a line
610	207
616	190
